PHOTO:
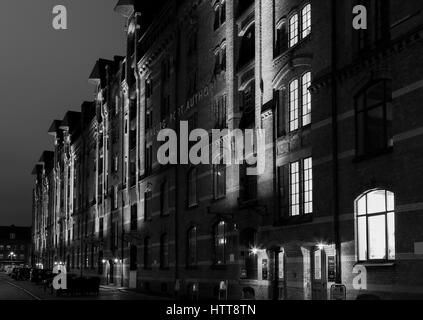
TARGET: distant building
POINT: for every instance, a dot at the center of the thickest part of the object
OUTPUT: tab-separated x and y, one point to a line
15	245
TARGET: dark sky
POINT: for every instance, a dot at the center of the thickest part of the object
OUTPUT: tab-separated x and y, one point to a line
43	73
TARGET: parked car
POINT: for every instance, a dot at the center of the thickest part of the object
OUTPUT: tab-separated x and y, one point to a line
14	273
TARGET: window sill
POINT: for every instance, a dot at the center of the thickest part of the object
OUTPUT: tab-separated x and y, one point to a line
289	52
376	264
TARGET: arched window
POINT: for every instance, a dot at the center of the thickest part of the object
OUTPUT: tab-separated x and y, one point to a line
375	225
306	98
293	30
306	20
248	49
374	118
192	246
164	251
192	187
220	243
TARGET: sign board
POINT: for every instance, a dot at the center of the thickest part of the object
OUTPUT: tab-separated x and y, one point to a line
331	269
338	292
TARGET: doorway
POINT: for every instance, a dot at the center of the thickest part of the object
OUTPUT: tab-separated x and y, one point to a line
320	290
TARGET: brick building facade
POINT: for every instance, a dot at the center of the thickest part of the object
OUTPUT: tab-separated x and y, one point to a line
340	191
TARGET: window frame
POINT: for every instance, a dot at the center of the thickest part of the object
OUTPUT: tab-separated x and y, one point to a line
300	188
388	256
384	103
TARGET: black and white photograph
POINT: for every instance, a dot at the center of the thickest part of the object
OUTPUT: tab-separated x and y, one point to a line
211	153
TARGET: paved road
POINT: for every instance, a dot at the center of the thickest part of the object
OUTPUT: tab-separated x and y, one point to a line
9	290
24	290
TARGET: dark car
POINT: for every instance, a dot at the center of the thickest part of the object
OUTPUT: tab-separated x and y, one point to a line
35	275
23	274
14	273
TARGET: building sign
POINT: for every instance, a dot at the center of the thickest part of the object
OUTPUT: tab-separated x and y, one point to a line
264	270
331	269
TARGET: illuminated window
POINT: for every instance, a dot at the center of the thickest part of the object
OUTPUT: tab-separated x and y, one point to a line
375	225
306	20
293	106
293	30
306	98
308	185
220	243
295	189
192	246
301	187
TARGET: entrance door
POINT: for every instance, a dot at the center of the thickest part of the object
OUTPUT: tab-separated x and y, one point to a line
320	286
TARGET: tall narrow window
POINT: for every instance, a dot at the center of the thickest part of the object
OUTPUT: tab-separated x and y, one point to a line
219	173
306	20
149	160
375	225
281	44
223	58
293	106
164	198
220	243
374	118
293	30
192	187
295	189
164	251
306	98
147	253
223	12
101	228
308	185
216	17
301	187
134	218
192	246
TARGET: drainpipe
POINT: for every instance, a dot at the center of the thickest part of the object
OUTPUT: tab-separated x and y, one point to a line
335	171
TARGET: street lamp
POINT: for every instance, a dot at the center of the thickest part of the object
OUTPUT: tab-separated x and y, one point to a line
12	255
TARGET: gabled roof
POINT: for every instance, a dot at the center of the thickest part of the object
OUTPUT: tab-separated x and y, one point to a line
98	74
55	127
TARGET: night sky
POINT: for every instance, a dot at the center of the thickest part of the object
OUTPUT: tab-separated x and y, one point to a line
43	73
